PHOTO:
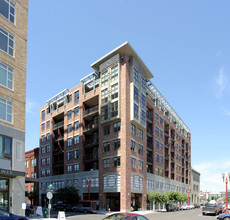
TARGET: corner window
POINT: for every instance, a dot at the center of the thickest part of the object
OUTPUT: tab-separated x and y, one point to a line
5	110
7	9
6	76
116	144
6	42
116	161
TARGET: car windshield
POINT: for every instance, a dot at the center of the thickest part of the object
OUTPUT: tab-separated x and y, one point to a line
211	205
117	217
2	212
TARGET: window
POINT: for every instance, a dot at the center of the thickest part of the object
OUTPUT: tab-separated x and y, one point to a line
69	168
161	134
116	161
104	113
48	124
143	117
114	73
48	148
32	162
157	131
117	126
76	111
140	133
136	94
106	163
106	146
43	138
104	78
27	164
76	125
140	150
132	145
43	173
69	141
133	129
43	149
6	42
142	101
76	96
104	96
161	121
135	76
35	162
161	146
7	9
136	109
48	160
48	136
68	155
5	110
157	144
32	175
114	91
6	75
161	159
76	167
76	139
48	110
133	160
43	126
114	109
156	117
43	161
142	84
48	172
69	114
69	128
76	154
106	129
140	165
157	157
116	144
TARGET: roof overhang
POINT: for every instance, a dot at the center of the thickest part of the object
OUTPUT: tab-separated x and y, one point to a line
124	49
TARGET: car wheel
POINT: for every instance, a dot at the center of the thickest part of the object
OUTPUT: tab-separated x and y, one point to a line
226	218
203	213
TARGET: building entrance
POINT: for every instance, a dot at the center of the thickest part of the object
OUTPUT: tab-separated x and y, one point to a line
113	201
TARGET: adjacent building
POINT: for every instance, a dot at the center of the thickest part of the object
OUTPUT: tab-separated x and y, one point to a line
195	190
32	175
114	133
13	56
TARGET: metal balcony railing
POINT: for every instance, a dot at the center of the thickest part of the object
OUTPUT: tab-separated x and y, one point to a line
90	110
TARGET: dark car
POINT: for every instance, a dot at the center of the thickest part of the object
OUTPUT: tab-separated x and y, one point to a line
10	216
126	216
171	207
60	206
224	217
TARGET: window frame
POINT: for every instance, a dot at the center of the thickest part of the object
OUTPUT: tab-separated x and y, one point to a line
8	105
10	40
8	71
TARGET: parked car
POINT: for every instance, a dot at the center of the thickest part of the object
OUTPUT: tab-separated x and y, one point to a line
210	208
197	205
224	217
61	206
171	207
5	215
126	216
85	206
185	207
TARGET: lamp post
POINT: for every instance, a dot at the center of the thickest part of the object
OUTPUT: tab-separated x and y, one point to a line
88	182
188	191
226	180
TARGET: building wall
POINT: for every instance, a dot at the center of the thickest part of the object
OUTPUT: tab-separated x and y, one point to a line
195	187
16	95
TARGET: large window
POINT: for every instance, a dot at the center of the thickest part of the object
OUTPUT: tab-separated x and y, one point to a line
6	42
76	96
104	113
6	76
4	193
104	78
135	76
117	126
7	9
107	163
5	110
114	73
136	109
114	91
143	117
5	146
104	96
135	94
114	108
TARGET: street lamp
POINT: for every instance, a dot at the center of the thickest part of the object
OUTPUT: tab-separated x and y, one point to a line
226	180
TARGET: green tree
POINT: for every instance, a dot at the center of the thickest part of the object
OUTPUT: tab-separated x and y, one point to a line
69	194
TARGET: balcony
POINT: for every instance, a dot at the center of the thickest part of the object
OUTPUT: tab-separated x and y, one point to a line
172	136
149	117
167	133
149	132
90	128
166	145
166	156
58	125
166	168
91	142
149	145
172	148
58	163
90	158
58	138
149	160
89	113
172	171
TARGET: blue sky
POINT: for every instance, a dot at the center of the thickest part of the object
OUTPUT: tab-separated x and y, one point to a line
185	44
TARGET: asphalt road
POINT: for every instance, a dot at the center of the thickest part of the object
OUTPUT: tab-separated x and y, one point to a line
194	214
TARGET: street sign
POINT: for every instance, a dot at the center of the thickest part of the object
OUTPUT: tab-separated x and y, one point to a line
49	190
49	195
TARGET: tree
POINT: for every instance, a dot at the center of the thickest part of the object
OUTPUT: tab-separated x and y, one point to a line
68	194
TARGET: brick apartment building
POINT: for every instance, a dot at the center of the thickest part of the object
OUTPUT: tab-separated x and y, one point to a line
116	130
13	56
32	174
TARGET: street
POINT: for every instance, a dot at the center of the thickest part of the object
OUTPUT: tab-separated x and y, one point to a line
194	214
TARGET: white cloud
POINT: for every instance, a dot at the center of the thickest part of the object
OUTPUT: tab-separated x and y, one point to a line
221	82
30	106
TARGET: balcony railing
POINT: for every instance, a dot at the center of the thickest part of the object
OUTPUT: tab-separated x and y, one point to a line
149	159
166	168
58	125
90	110
150	131
150	145
172	148
91	142
167	132
149	117
90	126
58	138
90	157
166	156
